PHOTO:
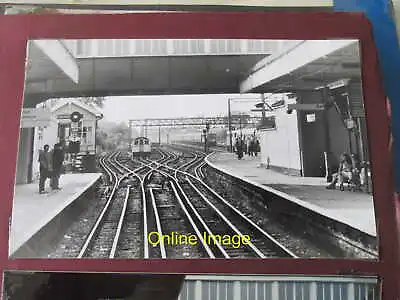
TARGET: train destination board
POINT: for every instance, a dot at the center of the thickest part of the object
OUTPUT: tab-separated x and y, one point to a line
194	149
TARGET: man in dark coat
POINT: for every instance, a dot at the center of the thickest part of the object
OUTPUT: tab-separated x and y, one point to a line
58	158
44	167
239	148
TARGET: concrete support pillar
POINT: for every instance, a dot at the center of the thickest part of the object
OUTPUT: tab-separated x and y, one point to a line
25	158
25	154
327	138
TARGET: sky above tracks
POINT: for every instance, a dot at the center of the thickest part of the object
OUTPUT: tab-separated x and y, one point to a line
122	109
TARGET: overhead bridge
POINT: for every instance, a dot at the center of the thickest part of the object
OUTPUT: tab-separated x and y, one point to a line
149	67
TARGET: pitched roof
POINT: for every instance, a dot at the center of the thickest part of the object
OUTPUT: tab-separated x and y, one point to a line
91	109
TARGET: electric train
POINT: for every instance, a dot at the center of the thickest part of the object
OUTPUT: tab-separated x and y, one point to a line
141	146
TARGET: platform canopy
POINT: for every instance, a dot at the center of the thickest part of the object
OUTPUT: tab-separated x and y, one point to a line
50	59
308	65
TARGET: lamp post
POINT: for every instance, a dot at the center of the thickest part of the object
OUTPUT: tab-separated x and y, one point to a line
230	125
263	106
240	125
205	131
205	140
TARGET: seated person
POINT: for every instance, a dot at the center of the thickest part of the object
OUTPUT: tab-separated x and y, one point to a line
344	173
357	167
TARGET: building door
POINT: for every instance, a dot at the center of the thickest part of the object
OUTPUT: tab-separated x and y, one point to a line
311	135
63	131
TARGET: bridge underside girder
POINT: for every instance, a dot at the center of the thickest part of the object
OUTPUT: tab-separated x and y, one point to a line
150	76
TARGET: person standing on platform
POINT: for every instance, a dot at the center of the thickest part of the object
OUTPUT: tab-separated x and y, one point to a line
44	167
239	148
257	147
253	146
249	146
57	161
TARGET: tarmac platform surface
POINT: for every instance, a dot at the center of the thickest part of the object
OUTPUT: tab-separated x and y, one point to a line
355	209
32	211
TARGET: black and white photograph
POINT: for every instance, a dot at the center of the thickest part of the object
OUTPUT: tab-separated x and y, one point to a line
24	285
193	149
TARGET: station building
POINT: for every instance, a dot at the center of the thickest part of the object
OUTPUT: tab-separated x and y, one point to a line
58	128
61	130
300	140
323	115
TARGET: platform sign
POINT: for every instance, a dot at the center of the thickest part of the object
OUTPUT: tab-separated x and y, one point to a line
306	107
35	117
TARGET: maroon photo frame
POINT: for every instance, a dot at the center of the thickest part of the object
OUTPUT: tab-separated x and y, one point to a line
16	30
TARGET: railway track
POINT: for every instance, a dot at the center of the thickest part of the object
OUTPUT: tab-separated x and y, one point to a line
104	237
156	205
213	227
197	174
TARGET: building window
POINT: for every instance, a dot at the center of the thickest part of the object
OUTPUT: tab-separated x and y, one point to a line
85	134
63	131
40	133
89	135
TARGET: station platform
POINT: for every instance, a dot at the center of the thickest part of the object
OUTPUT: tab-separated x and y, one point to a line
32	211
355	209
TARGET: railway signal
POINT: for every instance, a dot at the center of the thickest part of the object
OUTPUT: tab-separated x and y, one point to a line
76	116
